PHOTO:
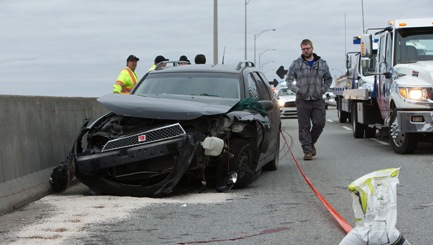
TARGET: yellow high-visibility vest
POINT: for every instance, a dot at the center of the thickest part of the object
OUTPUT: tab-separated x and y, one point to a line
125	82
152	68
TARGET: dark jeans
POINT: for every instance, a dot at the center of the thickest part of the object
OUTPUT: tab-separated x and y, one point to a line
311	121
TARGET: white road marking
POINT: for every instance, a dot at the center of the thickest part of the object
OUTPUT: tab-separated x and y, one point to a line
379	141
373	139
347	128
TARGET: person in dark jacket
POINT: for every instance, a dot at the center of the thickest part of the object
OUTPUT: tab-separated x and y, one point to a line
309	78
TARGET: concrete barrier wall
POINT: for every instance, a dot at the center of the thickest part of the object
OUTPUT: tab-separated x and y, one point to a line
37	133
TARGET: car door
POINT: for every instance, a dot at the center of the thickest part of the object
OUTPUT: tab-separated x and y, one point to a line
272	127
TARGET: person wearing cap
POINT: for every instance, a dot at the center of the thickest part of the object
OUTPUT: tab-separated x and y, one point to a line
127	78
157	60
184	58
200	59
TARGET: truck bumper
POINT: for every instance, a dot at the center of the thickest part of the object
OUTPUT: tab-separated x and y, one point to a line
415	121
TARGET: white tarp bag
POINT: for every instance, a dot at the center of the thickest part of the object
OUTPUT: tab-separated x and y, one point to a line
375	207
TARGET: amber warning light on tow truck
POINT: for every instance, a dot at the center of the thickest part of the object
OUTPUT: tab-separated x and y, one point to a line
391	23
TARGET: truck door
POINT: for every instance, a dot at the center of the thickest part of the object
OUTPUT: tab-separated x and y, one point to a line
384	62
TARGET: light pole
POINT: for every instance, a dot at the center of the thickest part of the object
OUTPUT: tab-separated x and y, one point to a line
260	54
255	37
215	32
362	6
267	72
246	3
266	63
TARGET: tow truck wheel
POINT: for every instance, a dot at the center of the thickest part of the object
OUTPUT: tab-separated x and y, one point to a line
357	128
342	115
401	142
370	132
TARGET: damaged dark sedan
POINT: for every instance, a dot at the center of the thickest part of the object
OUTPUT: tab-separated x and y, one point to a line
217	125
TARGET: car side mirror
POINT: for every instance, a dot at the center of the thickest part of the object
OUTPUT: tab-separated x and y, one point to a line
268	105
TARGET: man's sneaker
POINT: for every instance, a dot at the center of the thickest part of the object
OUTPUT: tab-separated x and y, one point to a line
308	156
313	151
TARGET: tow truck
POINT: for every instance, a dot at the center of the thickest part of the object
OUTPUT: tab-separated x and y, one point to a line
358	75
400	103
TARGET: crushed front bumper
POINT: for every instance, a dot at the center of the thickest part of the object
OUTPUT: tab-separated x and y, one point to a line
113	158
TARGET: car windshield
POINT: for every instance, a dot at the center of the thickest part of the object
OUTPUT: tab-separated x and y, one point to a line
285	92
200	84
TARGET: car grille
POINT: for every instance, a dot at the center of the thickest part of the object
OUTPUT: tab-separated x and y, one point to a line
290	104
150	136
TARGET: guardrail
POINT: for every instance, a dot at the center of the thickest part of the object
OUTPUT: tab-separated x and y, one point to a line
37	133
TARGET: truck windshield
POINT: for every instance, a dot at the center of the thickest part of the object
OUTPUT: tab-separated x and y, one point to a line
413	45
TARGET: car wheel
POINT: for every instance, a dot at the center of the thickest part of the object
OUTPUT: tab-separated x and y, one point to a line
243	162
273	165
401	142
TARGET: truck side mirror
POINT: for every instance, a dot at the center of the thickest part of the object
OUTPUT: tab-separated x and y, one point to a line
366	46
387	75
348	61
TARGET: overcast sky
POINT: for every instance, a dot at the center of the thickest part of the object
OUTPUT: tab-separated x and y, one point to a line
77	48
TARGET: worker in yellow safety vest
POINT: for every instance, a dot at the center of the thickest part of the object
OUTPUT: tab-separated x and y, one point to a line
127	78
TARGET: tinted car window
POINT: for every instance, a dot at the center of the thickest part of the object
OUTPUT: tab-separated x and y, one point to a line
252	88
204	84
264	90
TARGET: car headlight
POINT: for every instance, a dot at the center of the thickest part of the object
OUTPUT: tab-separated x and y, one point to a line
415	93
281	103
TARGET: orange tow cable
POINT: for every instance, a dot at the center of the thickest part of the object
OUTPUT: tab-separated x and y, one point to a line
343	223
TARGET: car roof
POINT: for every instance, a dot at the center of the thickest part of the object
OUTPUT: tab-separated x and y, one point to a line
225	68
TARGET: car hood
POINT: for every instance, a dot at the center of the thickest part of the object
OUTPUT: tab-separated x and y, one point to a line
166	106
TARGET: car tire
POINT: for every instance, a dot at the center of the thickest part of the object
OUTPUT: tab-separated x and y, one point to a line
242	161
